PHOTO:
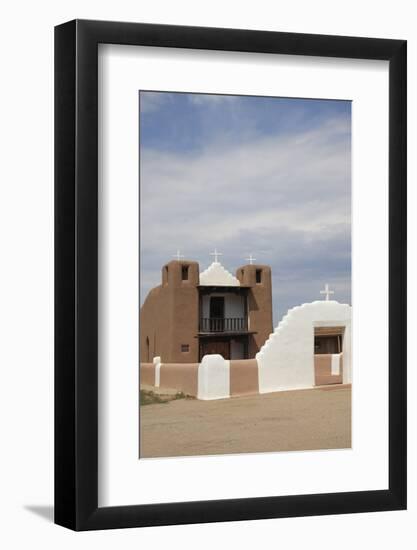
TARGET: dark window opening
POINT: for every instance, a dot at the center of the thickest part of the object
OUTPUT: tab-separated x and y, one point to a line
185	348
184	273
166	274
217	307
217	313
327	344
258	276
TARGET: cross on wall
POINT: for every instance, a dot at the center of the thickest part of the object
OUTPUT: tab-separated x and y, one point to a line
327	292
216	254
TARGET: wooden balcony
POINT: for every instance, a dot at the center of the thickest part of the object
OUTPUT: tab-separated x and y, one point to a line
224	324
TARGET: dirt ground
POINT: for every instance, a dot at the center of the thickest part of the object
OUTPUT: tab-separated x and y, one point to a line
319	418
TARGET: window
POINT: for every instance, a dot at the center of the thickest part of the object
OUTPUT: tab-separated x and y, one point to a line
327	344
328	340
184	273
185	348
258	276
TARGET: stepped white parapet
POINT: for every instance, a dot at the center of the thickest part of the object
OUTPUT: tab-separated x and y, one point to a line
286	360
217	275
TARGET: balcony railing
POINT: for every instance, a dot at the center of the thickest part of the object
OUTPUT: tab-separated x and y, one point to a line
227	324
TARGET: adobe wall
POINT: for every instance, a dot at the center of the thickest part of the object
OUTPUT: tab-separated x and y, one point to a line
180	376
244	379
147	374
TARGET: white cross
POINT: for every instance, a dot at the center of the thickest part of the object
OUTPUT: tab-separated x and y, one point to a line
216	254
251	259
178	255
327	291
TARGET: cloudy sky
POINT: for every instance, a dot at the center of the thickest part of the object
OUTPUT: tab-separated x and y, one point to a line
267	176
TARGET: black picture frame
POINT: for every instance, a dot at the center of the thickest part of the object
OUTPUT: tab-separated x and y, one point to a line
76	272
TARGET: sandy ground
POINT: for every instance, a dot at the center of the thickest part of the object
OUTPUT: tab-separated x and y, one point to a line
319	418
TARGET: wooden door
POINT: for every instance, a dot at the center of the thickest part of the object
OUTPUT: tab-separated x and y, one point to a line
220	347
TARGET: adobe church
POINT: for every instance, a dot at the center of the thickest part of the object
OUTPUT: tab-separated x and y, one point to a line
192	314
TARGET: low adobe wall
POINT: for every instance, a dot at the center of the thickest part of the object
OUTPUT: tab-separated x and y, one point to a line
244	378
213	378
147	374
217	378
179	376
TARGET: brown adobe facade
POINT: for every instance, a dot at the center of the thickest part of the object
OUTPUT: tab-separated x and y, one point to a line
192	314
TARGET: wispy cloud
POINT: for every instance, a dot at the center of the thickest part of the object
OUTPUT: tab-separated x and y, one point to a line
284	197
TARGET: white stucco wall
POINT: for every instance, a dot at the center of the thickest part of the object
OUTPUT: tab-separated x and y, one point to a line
217	275
213	378
157	363
286	360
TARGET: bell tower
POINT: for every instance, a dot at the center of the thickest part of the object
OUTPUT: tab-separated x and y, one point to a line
258	278
180	279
